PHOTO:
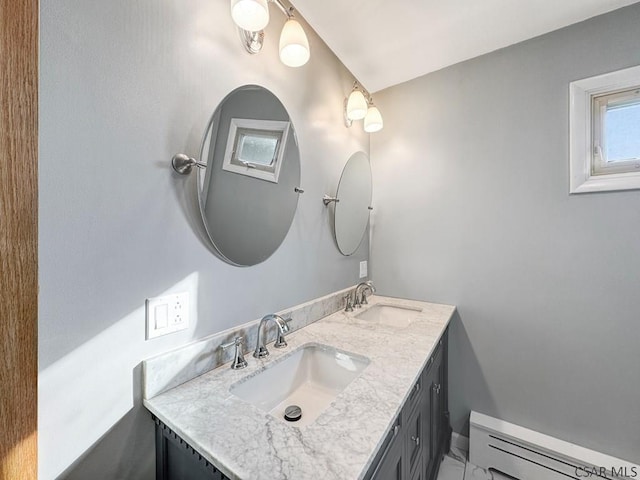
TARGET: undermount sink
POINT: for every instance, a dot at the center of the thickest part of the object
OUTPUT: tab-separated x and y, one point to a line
390	315
311	378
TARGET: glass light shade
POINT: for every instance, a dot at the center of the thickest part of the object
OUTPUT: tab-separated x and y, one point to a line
294	46
356	106
251	15
373	120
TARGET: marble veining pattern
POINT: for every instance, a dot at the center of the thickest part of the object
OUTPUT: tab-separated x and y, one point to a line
168	370
245	442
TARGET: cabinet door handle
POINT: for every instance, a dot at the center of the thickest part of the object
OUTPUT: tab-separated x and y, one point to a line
416	440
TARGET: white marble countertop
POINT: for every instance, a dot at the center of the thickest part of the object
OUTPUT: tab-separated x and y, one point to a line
247	443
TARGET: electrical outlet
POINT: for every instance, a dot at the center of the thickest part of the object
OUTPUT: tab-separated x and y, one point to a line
363	269
167	314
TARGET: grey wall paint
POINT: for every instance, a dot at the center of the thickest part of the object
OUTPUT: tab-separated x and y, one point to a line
125	85
472	209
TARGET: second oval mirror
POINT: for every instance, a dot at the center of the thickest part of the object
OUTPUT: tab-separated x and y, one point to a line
354	201
248	191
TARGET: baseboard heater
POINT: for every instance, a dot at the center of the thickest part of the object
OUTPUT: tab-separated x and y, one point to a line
529	455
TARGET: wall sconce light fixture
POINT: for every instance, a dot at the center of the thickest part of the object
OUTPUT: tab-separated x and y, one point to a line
252	17
360	105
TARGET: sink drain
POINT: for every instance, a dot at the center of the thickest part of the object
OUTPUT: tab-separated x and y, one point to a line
292	413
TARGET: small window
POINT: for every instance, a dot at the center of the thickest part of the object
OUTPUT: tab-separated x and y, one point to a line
256	148
616	132
605	132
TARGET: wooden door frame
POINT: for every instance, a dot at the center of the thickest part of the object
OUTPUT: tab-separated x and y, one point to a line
18	239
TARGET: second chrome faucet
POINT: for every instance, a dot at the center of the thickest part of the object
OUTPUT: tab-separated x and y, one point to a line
359	296
283	328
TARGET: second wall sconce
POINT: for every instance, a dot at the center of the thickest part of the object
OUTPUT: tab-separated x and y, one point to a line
252	17
359	105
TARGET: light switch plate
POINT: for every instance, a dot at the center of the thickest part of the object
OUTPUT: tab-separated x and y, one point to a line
363	269
167	314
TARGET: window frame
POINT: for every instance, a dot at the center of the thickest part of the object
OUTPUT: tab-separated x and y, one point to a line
599	104
268	128
588	173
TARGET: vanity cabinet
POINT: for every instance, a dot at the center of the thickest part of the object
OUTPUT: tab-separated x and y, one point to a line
412	448
177	460
419	437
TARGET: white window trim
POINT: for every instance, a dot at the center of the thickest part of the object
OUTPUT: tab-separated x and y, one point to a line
266	126
581	93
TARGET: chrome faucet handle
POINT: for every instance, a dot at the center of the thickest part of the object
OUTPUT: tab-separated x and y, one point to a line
363	299
348	307
357	300
280	341
238	359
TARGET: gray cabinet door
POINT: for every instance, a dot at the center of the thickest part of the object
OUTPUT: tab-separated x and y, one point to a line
386	456
414	436
438	405
391	466
434	411
419	474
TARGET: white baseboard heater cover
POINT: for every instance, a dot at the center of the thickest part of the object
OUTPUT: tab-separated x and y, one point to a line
529	455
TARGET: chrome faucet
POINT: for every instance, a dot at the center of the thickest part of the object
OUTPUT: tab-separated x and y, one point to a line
361	289
283	328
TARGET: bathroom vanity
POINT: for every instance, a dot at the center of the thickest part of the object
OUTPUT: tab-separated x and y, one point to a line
381	371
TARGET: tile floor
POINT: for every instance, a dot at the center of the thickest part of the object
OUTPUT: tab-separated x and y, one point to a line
455	466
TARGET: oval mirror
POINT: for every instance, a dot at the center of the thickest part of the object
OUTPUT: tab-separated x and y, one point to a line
353	208
248	191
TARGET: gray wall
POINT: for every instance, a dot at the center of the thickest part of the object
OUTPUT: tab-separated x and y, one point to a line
125	85
472	209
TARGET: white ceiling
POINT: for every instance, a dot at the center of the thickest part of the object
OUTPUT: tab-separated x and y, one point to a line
386	42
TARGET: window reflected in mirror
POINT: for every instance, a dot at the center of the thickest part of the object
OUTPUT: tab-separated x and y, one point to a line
255	148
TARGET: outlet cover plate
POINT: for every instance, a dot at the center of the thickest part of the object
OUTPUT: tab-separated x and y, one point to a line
167	314
363	269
